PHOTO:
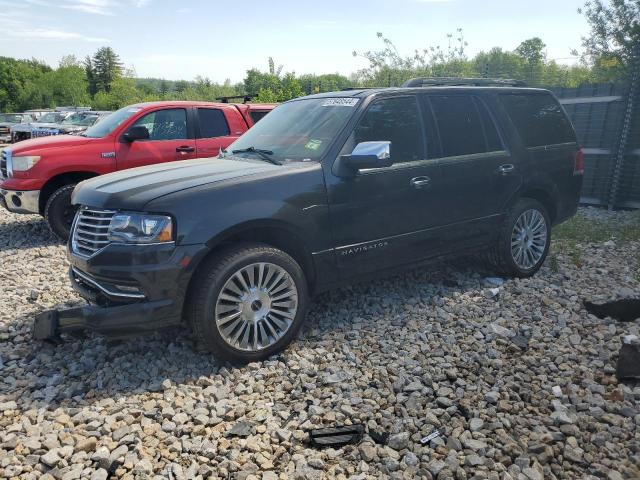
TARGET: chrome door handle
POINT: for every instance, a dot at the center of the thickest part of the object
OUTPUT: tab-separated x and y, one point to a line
506	168
420	182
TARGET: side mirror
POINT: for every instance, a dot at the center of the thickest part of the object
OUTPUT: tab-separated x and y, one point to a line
368	155
137	132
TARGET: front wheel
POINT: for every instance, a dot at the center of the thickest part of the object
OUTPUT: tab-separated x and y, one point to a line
524	239
248	303
58	211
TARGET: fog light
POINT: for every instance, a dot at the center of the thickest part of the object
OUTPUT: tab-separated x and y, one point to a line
128	289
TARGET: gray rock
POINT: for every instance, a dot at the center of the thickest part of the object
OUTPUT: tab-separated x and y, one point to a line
399	441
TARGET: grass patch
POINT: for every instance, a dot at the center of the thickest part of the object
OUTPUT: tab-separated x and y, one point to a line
582	229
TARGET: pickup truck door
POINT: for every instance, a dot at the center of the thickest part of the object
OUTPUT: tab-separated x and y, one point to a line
217	128
170	138
384	217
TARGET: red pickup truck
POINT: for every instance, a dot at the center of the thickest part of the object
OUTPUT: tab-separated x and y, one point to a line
39	175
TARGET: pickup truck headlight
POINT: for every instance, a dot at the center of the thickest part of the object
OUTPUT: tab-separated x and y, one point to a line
140	228
24	163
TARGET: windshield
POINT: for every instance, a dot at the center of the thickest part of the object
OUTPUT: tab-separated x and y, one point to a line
10	118
50	117
75	119
298	130
107	125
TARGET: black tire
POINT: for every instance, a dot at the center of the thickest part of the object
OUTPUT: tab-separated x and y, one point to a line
208	284
58	211
501	256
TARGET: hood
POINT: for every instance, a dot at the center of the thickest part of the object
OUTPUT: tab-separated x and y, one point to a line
52	141
132	189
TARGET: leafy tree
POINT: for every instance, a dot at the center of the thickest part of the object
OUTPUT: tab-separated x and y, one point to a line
615	32
106	67
532	51
164	88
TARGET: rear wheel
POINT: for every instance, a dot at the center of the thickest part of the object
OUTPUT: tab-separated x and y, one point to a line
524	239
248	303
58	211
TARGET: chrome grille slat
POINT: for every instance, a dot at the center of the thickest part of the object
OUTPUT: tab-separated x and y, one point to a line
90	231
3	165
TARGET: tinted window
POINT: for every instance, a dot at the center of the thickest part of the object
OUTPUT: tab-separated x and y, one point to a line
539	119
396	120
459	125
212	123
257	115
490	133
170	124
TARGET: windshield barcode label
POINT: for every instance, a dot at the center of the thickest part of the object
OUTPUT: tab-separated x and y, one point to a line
340	102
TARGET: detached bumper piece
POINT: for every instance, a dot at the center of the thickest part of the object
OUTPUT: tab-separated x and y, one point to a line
118	321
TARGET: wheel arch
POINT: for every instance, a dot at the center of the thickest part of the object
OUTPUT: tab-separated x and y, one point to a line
276	234
60	180
547	195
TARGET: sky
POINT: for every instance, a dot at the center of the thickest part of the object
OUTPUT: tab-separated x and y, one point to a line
221	40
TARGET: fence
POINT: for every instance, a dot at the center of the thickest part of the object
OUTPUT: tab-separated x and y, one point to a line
607	121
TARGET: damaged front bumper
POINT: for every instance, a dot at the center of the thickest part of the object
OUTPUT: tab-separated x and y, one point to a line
131	290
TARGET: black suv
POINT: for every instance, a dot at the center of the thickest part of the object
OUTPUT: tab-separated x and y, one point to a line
325	189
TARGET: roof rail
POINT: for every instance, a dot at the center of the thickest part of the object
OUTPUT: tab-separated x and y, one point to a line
245	98
456	81
346	89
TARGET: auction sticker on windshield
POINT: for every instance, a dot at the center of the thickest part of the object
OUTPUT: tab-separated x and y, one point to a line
340	102
313	144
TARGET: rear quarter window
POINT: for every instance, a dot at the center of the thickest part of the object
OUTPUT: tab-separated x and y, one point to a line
539	119
257	115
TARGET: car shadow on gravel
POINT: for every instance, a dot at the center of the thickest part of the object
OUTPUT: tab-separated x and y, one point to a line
92	368
26	234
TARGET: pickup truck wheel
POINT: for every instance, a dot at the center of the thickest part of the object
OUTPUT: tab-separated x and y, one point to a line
524	239
58	211
248	303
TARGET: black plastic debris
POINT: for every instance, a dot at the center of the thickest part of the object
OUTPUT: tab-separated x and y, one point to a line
629	359
336	436
379	438
625	309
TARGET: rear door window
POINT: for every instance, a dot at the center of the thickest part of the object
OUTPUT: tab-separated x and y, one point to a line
539	119
459	124
212	123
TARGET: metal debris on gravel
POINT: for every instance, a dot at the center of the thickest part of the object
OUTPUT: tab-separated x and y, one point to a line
428	350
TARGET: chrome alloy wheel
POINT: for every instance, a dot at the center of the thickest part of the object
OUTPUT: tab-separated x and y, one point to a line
529	239
256	306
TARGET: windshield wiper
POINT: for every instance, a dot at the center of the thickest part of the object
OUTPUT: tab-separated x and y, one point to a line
264	154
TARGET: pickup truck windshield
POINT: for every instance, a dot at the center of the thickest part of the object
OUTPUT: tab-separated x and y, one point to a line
10	118
51	117
298	130
111	122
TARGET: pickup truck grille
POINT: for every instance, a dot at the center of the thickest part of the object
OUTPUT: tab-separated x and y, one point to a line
90	231
3	163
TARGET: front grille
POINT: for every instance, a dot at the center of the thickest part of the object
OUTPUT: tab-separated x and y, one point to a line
90	231
4	130
3	163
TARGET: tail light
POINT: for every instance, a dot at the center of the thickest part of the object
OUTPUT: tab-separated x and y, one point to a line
578	163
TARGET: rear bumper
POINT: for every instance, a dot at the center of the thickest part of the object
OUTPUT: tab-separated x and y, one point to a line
131	289
20	201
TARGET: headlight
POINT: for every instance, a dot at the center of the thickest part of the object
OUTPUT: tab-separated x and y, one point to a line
140	228
22	164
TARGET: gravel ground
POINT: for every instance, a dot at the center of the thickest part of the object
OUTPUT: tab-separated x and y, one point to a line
518	379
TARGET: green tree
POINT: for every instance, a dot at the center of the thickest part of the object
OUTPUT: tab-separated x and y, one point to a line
615	32
106	67
532	51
